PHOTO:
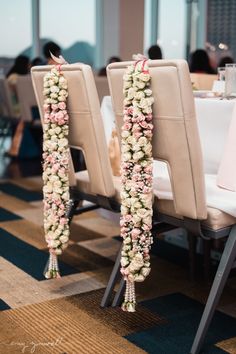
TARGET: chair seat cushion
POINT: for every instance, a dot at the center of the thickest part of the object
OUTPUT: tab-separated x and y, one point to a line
216	219
163	202
216	197
83	184
221	203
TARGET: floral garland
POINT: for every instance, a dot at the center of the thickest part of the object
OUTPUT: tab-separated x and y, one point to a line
55	167
136	177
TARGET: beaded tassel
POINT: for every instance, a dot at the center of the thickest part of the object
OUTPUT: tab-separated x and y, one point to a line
52	269
130	298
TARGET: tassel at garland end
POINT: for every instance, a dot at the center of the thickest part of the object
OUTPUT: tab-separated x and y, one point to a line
52	269
130	299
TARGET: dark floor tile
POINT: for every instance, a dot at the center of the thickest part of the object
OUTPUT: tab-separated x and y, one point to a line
19	192
26	257
3	305
182	316
6	215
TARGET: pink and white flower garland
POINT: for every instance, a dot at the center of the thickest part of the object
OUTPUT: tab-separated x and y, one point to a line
55	167
136	176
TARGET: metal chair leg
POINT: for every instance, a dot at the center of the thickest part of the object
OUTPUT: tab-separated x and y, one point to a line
192	244
207	259
71	209
221	276
112	281
119	294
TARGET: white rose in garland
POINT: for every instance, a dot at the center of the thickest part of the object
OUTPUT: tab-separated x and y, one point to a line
136	175
55	167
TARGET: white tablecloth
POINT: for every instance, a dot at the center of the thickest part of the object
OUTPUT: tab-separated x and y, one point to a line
214	118
108	117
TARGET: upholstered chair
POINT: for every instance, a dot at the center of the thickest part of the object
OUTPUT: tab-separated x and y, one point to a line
180	195
202	81
26	98
102	86
7	109
8	114
86	133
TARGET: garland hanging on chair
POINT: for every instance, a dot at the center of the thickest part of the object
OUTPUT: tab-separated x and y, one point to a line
55	167
136	177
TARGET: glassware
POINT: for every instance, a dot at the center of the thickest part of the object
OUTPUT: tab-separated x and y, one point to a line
221	73
230	80
219	85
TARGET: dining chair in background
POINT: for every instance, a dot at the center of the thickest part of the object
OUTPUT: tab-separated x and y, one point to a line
102	86
201	81
8	116
180	197
5	99
27	99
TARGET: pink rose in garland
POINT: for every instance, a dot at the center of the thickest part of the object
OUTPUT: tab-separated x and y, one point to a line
55	167
136	176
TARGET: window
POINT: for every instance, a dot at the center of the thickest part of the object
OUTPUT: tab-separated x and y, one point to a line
15	27
172	28
71	24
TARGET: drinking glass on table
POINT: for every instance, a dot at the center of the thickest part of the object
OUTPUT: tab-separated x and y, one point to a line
230	80
219	85
221	73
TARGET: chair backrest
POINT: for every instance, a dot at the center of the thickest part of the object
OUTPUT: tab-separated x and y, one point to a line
26	97
202	81
86	130
102	86
175	136
6	107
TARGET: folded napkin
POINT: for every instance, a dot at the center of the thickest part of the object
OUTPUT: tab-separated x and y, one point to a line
226	177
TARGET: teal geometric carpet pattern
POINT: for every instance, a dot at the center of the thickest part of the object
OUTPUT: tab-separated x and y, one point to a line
169	305
3	305
28	258
182	316
19	192
5	215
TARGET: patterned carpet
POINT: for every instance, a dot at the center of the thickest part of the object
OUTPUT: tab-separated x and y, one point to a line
64	316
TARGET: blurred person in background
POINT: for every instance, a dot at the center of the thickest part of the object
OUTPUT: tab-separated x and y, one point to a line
200	62
22	144
20	67
154	52
225	60
102	71
48	48
37	61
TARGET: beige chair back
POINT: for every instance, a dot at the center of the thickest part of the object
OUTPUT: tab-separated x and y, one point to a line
175	136
6	107
202	81
102	86
26	97
86	130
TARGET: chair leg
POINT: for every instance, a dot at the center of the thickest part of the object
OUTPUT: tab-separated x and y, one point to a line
71	209
207	259
119	294
192	244
112	281
221	276
4	134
